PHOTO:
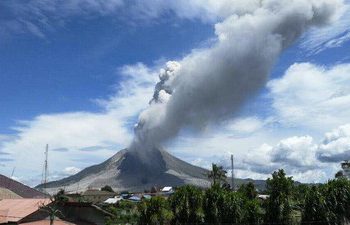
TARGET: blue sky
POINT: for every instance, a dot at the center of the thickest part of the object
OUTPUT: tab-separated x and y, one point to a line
77	74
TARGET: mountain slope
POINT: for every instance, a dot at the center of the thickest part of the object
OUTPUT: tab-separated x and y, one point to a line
128	170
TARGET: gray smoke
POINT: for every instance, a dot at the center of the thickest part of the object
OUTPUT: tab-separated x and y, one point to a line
210	85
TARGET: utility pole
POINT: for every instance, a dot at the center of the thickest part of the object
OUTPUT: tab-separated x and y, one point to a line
232	174
45	169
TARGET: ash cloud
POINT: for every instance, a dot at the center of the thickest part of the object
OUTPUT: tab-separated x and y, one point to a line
210	85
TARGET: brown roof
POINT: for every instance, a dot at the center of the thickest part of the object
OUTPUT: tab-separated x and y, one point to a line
19	188
46	222
98	193
14	210
8	194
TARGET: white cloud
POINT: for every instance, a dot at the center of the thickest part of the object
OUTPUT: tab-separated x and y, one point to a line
312	97
246	125
320	39
335	147
296	155
78	130
298	152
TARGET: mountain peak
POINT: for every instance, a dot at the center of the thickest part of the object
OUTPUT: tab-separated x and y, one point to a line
133	171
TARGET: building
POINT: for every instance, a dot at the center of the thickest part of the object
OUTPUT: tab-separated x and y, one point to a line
84	212
114	200
346	169
167	190
19	189
97	196
8	194
25	210
28	211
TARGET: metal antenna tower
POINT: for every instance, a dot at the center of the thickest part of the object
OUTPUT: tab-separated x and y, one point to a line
45	169
232	174
13	171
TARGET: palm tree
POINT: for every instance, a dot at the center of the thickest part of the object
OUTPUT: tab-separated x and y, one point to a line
52	209
217	175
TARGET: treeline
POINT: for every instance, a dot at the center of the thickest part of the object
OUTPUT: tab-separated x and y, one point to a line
287	204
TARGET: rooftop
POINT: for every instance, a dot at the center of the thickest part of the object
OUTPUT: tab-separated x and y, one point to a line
14	210
19	188
8	194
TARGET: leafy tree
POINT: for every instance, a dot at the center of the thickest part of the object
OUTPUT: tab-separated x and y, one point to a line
124	213
339	174
252	212
186	205
155	211
337	194
52	209
315	209
211	201
299	192
231	207
107	188
217	175
248	191
278	207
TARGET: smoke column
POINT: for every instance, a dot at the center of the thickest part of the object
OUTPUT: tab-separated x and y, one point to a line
210	85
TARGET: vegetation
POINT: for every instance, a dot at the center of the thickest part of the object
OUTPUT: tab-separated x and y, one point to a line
217	175
107	188
186	205
52	209
288	204
155	211
124	213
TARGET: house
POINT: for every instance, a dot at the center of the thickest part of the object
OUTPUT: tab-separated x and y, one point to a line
114	200
134	198
8	194
18	211
28	211
263	197
97	196
19	188
56	222
84	212
167	190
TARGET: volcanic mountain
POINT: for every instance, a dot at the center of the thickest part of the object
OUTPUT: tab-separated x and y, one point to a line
132	171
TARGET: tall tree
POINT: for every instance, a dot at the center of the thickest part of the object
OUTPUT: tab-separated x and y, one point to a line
337	194
278	207
186	205
315	209
231	207
217	175
248	190
155	211
211	208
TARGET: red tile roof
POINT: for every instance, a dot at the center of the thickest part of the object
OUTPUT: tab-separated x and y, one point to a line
19	188
46	222
14	210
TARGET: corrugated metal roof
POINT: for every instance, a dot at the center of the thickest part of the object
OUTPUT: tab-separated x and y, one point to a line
8	194
14	210
166	189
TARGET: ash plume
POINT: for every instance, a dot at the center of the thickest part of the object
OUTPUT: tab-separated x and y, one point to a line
210	85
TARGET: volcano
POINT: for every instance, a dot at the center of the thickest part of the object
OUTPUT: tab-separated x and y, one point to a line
128	170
